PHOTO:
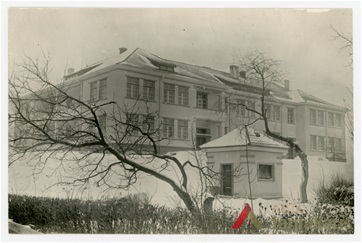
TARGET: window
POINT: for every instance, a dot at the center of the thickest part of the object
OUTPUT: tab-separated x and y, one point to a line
330	119
168	128
320	143
69	103
320	120
226	106
338	144
201	100
183	95
334	144
182	129
102	120
265	172
240	108
227	179
313	142
93	91
226	130
98	94
103	89
291	150
132	120
337	120
276	113
169	93
316	117
203	131
317	143
148	124
166	68
148	90
251	105
273	112
132	88
334	120
290	115
313	117
268	111
203	135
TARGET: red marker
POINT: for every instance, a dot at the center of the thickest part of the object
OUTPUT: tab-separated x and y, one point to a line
240	220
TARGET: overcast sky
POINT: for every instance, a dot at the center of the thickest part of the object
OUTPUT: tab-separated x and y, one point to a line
302	39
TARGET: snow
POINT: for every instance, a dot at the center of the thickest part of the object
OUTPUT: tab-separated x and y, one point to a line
237	137
23	179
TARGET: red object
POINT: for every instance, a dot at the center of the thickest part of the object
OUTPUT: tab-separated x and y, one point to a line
240	220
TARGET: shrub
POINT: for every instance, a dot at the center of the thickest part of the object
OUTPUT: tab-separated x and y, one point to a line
128	215
338	192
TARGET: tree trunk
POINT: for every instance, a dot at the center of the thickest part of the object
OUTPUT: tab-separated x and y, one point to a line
305	177
186	198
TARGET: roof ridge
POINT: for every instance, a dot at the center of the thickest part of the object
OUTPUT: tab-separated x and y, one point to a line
314	97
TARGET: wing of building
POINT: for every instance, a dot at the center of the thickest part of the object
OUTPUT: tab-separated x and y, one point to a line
195	103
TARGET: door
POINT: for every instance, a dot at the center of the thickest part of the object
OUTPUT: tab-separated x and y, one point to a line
226	179
200	140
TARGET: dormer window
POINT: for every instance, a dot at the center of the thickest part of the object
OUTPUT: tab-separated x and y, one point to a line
162	64
168	69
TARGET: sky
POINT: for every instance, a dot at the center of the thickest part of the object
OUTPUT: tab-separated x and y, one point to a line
302	39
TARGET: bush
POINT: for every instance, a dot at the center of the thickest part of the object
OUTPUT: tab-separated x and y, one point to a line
316	218
338	192
127	215
135	215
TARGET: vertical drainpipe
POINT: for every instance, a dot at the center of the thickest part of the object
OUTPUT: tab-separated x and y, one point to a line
159	107
326	130
281	119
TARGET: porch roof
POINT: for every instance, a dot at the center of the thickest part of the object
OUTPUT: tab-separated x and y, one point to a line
242	137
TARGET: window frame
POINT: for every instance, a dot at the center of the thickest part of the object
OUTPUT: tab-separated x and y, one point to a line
169	92
319	145
103	123
222	172
149	90
102	88
93	86
168	128
135	122
314	117
133	88
183	90
204	100
180	131
290	115
146	125
272	171
322	123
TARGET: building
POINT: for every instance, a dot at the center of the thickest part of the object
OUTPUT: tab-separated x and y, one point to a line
195	103
242	150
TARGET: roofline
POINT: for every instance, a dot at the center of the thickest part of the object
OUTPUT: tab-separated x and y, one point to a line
260	146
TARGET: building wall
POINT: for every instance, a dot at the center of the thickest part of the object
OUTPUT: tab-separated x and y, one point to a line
216	117
256	156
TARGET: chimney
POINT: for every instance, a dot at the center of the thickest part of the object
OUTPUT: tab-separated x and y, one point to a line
286	84
122	49
234	71
242	74
70	71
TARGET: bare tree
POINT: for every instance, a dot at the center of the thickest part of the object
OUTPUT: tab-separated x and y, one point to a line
347	44
48	118
334	150
265	73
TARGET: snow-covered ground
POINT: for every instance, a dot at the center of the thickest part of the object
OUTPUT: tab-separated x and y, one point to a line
23	181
